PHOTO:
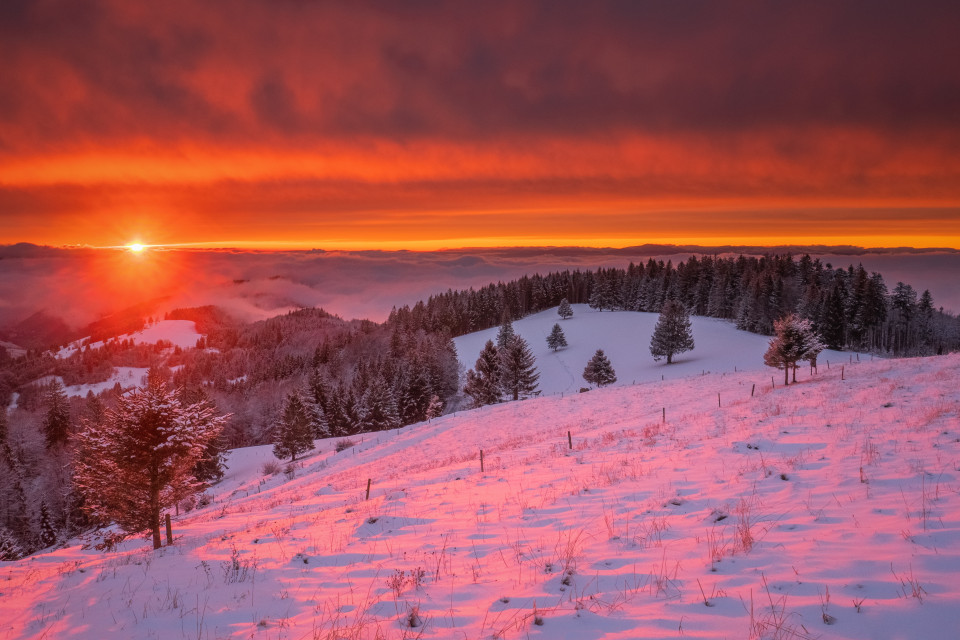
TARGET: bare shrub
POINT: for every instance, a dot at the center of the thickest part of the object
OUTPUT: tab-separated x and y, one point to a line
343	445
271	468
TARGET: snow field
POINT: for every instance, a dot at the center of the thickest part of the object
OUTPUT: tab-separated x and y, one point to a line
624	337
831	501
180	333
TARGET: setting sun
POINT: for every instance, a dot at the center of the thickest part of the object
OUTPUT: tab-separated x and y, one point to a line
136	248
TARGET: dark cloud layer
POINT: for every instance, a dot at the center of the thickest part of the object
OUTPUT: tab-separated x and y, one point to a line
214	111
86	71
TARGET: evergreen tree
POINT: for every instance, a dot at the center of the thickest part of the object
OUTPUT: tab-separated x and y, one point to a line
794	340
318	419
139	459
833	322
435	408
505	334
294	432
556	339
336	412
56	423
565	310
601	297
48	535
10	549
379	407
599	371
483	381
213	461
518	372
672	335
415	395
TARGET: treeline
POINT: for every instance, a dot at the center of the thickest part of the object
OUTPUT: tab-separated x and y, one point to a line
849	307
360	375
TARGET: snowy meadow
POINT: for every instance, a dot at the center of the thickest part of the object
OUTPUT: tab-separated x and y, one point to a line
710	504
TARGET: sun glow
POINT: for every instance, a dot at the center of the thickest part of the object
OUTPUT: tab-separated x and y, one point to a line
136	248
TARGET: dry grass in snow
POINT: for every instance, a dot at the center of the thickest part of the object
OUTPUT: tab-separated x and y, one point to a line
825	509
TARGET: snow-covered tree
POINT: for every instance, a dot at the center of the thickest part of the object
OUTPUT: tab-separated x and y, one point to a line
672	335
505	334
213	462
378	407
565	310
56	422
10	549
794	340
139	459
556	339
294	432
435	408
518	371
599	371
483	381
48	535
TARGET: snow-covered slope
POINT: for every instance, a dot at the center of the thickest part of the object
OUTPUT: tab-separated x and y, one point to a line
830	508
624	337
180	333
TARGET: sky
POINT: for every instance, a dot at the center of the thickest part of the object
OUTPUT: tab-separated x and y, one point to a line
422	125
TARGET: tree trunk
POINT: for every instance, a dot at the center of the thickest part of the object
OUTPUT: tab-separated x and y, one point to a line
155	508
669	358
786	374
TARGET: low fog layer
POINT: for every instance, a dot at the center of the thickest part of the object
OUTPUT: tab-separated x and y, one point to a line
81	285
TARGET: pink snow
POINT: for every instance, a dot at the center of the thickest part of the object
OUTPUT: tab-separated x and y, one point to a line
180	333
829	508
624	337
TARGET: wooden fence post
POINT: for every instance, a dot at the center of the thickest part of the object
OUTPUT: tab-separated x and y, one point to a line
481	460
369	480
752	389
569	440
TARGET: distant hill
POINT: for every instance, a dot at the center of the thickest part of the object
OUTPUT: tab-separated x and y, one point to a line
624	337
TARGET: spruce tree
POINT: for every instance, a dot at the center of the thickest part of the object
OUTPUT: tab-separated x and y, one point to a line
483	381
518	372
435	408
672	335
565	310
379	407
294	432
794	340
48	535
318	419
556	339
139	459
599	371
56	423
10	549
505	334
213	461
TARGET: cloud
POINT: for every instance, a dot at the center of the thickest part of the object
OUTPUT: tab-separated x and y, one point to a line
346	121
82	285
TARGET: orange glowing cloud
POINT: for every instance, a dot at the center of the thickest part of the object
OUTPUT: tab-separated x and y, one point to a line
370	125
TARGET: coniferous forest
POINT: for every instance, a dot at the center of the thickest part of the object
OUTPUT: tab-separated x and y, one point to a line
849	307
360	376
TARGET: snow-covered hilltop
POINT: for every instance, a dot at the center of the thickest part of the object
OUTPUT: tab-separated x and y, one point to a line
830	508
625	338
